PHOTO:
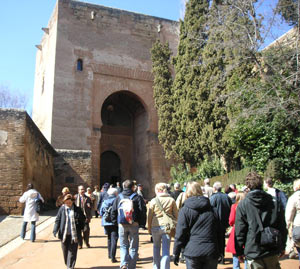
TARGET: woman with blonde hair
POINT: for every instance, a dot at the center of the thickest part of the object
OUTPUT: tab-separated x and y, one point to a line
292	215
163	204
197	231
60	199
230	244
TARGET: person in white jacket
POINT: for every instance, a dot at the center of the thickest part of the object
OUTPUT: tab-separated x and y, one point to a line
30	214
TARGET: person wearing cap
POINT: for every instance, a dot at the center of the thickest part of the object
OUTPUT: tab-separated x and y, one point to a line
30	214
69	222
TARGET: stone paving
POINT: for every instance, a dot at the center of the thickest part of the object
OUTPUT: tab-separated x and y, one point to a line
46	252
10	226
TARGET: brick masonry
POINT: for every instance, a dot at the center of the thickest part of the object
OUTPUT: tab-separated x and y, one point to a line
114	46
26	156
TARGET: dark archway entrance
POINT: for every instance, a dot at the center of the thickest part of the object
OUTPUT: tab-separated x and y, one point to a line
124	132
110	166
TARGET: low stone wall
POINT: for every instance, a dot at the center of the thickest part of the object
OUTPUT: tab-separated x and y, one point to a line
73	168
12	128
25	156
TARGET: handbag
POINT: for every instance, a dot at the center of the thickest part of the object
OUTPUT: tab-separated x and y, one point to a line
270	238
38	204
171	222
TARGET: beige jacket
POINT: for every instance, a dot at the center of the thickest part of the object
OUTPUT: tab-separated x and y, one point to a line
155	216
180	200
292	211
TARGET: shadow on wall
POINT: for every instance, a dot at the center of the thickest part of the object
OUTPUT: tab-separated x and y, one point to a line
71	169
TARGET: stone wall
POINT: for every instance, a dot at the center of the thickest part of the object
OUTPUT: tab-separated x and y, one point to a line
12	127
25	156
72	168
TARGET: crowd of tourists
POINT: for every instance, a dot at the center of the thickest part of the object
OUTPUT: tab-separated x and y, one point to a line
259	223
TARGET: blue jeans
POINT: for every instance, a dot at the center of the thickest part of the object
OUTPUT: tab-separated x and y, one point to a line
161	239
129	244
201	263
235	262
32	233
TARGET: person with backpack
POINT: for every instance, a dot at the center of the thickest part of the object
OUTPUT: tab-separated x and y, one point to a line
111	230
260	228
103	195
161	211
127	214
31	213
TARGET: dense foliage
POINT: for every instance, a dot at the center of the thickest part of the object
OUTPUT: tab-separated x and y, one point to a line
228	99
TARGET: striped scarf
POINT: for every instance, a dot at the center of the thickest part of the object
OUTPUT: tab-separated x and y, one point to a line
73	226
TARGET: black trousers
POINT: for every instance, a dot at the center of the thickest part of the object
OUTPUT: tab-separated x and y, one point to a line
86	235
112	240
96	214
201	263
69	249
221	241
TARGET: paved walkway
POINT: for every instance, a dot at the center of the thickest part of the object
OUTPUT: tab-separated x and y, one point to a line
46	252
10	226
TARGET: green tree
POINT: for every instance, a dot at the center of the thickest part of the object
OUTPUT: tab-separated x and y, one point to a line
163	98
289	10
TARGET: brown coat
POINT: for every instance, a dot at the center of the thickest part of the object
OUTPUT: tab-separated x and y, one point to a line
155	216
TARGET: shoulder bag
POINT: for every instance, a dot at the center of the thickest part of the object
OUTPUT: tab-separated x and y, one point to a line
170	221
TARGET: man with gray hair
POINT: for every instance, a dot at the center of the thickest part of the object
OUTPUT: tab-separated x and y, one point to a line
207	189
177	191
222	204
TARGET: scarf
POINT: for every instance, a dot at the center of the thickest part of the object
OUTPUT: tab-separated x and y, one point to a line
72	222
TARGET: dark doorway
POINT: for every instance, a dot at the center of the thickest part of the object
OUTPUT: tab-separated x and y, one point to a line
110	167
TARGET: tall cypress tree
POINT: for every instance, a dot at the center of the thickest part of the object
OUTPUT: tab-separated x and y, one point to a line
163	98
187	63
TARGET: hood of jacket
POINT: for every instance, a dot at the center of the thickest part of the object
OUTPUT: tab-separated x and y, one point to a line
127	192
260	198
199	203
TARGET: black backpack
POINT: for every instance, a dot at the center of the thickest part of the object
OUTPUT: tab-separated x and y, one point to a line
107	214
38	204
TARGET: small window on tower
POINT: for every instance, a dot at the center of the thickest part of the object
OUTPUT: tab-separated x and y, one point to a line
79	65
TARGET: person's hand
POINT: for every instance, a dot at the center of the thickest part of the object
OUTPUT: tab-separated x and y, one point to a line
176	260
282	254
241	258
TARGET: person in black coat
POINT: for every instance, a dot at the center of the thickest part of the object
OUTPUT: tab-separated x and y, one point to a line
69	222
259	209
197	231
222	204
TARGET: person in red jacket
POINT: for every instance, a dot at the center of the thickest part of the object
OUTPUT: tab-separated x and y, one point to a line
230	244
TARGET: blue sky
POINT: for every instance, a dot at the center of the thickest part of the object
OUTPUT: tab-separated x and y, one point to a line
20	29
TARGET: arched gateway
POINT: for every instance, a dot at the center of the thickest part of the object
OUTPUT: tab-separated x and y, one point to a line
93	95
124	135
